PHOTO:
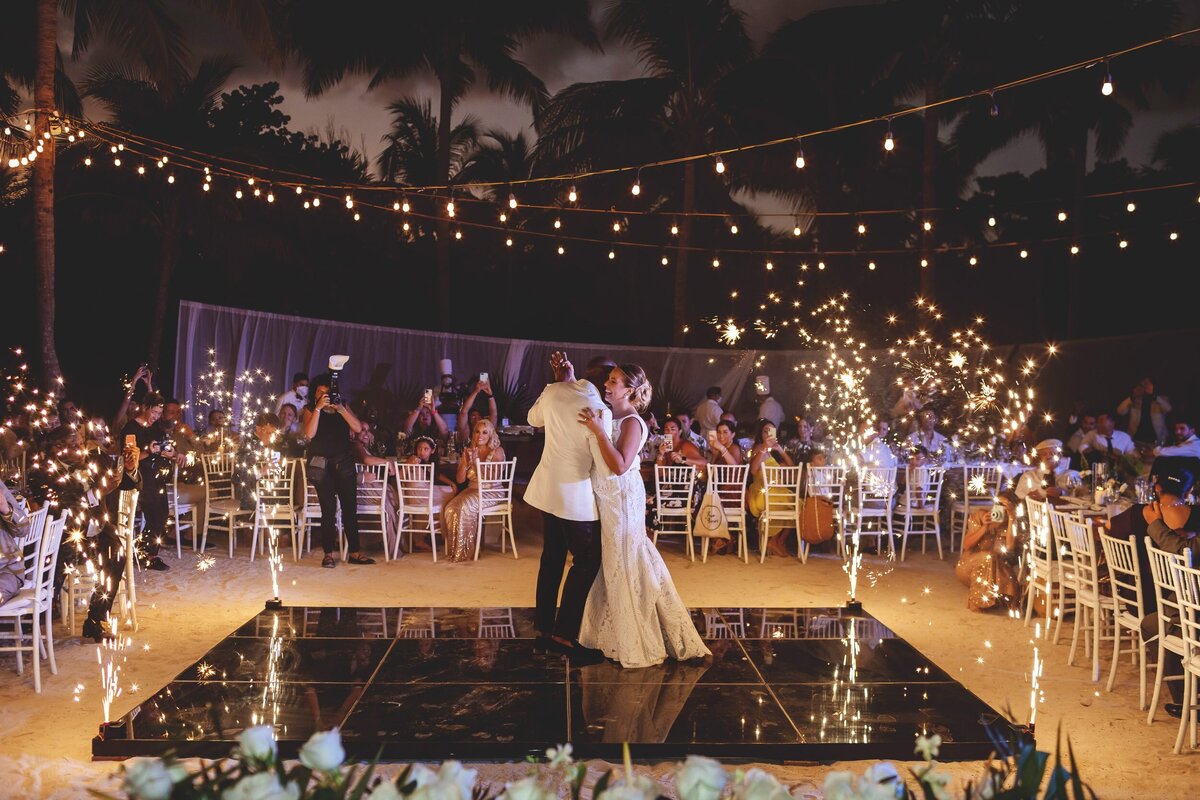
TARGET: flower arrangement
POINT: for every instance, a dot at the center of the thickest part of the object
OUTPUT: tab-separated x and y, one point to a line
256	772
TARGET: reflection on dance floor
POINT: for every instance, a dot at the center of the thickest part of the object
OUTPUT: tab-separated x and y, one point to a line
782	684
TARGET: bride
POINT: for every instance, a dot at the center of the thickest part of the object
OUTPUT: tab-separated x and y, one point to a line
633	613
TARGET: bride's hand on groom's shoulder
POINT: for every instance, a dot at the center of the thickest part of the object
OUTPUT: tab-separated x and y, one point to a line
591	419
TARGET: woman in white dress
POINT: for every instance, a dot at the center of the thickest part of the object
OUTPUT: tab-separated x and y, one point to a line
633	613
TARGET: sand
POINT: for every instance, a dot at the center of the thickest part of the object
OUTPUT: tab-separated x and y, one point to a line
45	739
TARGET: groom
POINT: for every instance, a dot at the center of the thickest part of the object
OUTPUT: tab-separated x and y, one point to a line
561	488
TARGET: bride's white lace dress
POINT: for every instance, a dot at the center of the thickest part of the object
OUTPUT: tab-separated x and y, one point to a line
633	613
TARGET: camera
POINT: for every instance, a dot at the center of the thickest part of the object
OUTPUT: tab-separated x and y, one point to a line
336	364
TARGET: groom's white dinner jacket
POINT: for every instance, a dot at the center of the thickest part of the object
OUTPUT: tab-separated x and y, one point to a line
562	485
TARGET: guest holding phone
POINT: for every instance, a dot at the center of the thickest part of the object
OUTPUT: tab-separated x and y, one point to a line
469	415
424	420
767	451
675	449
331	455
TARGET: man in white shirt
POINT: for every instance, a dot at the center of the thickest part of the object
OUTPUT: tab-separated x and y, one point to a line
768	407
708	413
927	436
561	488
685	424
1087	424
876	452
1106	441
1186	443
297	395
1052	475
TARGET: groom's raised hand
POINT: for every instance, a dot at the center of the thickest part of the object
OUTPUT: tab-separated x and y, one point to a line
561	366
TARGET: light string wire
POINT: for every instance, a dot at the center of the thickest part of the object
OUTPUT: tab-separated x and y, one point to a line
791	139
325	194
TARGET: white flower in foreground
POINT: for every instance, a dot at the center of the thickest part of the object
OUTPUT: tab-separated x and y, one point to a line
700	778
257	744
927	746
323	751
839	786
641	788
261	786
385	790
421	775
938	782
150	778
755	784
451	782
882	781
525	789
560	756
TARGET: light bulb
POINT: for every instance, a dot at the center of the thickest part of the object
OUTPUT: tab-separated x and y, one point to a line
820	265
664	261
611	255
716	262
572	195
250	181
257	192
164	158
316	202
719	166
674	230
457	234
405	227
1074	249
557	223
1062	216
796	231
973	261
270	197
450	207
7	131
800	162
238	194
512	200
357	216
927	225
871	266
561	249
733	294
636	189
141	169
208	178
616	227
924	262
160	163
1173	236
404	206
733	229
889	144
1106	88
298	190
206	186
116	161
862	229
396	206
508	241
1123	244
503	217
770	266
13	162
1131	206
991	222
307	204
112	149
349	202
1024	254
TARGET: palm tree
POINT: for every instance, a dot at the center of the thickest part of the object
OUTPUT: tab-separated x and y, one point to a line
688	48
460	43
175	110
140	28
500	158
411	157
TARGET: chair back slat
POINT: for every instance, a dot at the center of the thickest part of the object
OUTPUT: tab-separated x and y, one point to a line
876	488
47	561
673	488
496	483
414	485
1124	574
218	476
1084	564
923	488
1187	584
782	485
828	482
1162	573
728	483
1040	540
981	482
373	487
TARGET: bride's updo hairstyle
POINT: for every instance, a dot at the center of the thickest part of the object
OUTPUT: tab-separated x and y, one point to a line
635	379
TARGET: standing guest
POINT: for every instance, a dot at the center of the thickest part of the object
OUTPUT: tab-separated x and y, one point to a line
1172	527
767	452
1052	477
14	524
424	420
708	413
768	406
481	387
157	469
676	449
328	426
129	408
926	435
1147	413
460	517
1106	442
296	395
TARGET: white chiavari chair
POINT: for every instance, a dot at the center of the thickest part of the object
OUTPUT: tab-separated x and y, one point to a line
496	623
922	510
415	625
1166	593
1187	582
1125	580
126	597
1066	571
779	623
725	623
222	507
981	484
274	507
674	488
372	502
728	483
420	510
875	495
183	514
830	483
782	511
35	600
496	501
1042	566
1091	607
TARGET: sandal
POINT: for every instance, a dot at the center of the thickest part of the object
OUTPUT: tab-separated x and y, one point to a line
359	559
328	562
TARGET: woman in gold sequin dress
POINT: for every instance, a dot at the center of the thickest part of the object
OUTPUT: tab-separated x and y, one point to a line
460	517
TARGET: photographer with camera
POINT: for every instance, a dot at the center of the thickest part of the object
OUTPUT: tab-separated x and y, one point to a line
327	423
156	454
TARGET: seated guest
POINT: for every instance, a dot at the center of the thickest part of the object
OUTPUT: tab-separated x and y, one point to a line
480	387
424	420
722	448
257	455
1186	444
926	435
1172	527
675	449
685	422
1147	413
805	446
1052	477
708	413
297	395
989	563
876	452
14	524
1105	443
460	517
364	442
217	436
651	422
767	451
291	444
1074	445
424	451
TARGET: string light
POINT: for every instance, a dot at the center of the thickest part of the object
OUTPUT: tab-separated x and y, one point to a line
770	266
1123	244
205	186
796	229
991	222
404	206
973	261
450	207
927	225
733	229
1024	254
250	181
561	250
396	206
299	190
674	229
800	162
316	201
1106	88
238	195
1074	249
1062	216
636	189
664	261
1173	236
719	166
270	197
616	226
820	265
1131	206
612	254
512	200
871	266
508	242
457	233
889	143
924	263
572	195
503	217
141	170
716	262
557	223
862	229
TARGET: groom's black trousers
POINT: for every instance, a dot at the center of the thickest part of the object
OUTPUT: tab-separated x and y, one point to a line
582	541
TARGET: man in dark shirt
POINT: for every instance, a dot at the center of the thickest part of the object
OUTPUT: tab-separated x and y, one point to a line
156	470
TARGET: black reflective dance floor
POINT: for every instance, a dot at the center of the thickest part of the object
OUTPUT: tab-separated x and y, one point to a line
805	684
